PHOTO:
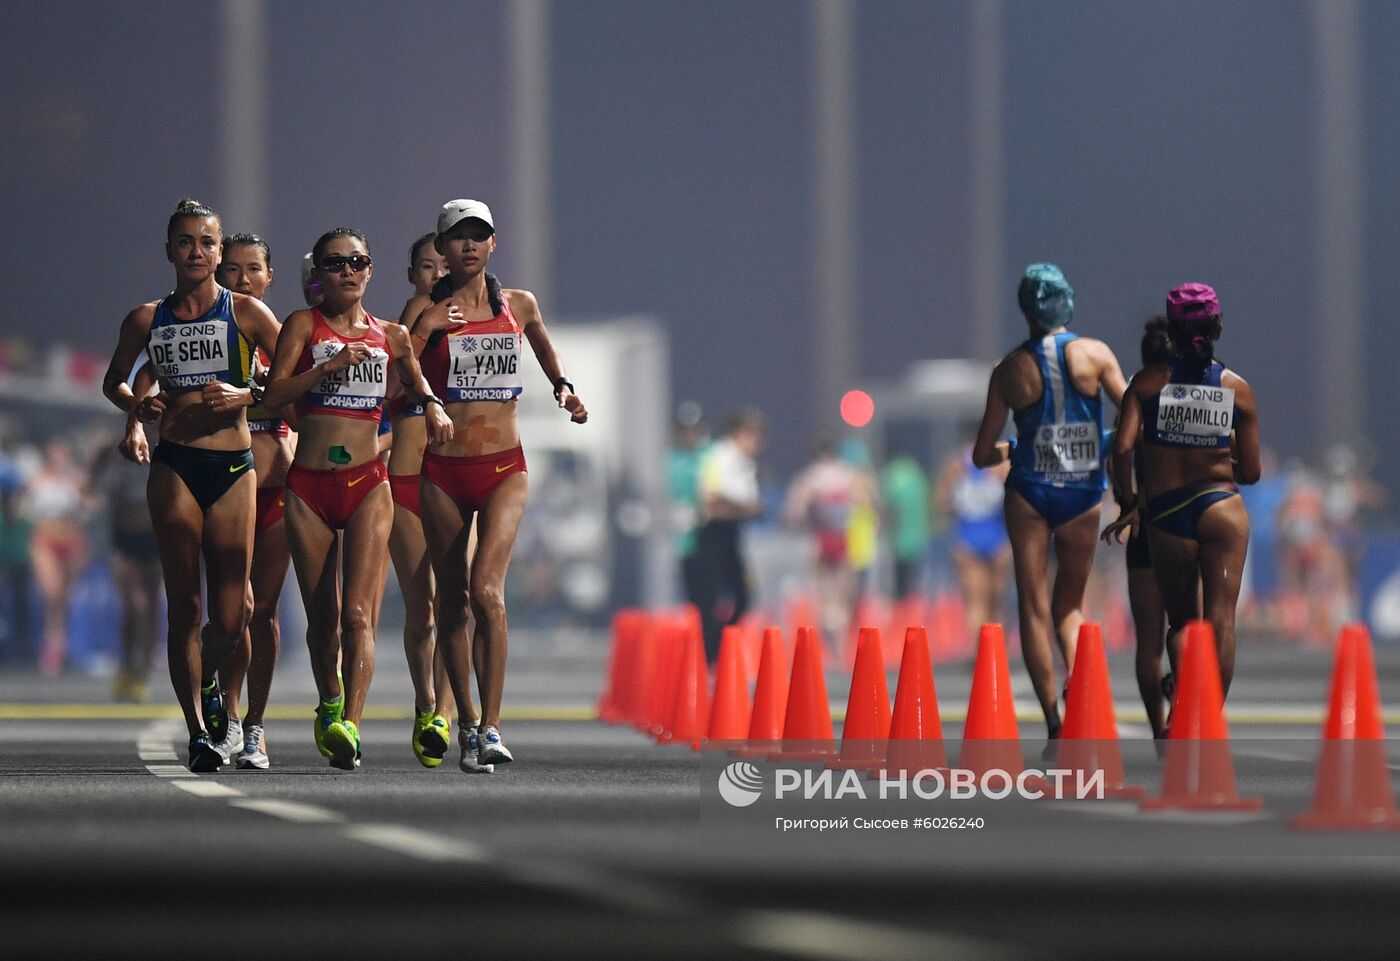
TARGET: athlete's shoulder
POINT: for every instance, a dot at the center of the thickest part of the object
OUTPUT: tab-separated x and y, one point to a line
1150	379
523	304
396	335
414	306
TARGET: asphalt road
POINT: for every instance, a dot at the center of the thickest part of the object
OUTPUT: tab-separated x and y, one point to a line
597	842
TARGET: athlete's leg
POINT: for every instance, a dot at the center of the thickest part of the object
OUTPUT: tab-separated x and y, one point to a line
315	550
974	581
1223	532
498	520
1074	541
409	552
1001	577
1030	548
228	555
179	527
51	577
1174	564
271	555
128	576
366	537
1149	622
445	528
235	668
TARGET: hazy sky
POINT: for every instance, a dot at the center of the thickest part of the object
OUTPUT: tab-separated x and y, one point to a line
1147	144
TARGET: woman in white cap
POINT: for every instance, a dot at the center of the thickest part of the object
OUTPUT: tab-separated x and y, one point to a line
471	340
1199	427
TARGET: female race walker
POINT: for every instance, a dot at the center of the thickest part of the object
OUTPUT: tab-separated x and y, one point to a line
247	269
1051	383
1199	428
472	340
981	550
433	700
201	490
1149	617
333	362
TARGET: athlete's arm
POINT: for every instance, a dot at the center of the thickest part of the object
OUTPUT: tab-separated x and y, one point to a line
136	328
986	452
425	318
1129	426
416	385
284	387
527	313
1246	439
1111	375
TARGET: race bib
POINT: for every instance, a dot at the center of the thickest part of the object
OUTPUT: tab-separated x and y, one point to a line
483	367
1067	449
358	387
1195	414
190	355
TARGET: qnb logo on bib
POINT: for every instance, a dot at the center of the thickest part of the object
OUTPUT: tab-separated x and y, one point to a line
190	355
1195	414
483	367
1067	448
358	387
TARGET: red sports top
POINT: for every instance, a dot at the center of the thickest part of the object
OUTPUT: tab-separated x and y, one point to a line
477	360
358	390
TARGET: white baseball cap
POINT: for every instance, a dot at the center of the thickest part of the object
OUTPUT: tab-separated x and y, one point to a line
455	211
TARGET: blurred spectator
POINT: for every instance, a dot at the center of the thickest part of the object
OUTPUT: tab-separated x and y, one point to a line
729	496
1347	493
981	550
691	439
1312	571
904	490
135	565
821	499
53	503
16	636
862	533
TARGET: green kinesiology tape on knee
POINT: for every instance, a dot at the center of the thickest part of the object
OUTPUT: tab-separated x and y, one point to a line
338	455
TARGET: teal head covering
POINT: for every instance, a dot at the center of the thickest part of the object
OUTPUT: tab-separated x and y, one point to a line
1046	298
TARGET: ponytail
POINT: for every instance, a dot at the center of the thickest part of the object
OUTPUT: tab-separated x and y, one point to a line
1194	340
188	207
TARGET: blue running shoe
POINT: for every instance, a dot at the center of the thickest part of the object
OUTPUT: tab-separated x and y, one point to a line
211	699
203	757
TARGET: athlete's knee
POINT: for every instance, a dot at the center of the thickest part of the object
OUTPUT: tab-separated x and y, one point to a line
184	612
488	601
356	618
1063	608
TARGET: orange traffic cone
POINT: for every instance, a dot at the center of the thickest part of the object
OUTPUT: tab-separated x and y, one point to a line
867	708
1353	789
1089	737
635	694
729	709
692	702
662	702
807	730
916	731
626	624
1199	772
991	740
769	698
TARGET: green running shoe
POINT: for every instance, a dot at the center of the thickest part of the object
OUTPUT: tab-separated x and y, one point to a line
327	713
342	739
432	736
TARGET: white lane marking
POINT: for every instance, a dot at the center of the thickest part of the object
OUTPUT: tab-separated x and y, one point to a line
418	844
598	888
170	770
203	788
288	810
808	934
1271	756
164	755
1135	730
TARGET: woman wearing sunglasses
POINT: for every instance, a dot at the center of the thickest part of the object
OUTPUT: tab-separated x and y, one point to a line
333	362
471	341
432	724
201	489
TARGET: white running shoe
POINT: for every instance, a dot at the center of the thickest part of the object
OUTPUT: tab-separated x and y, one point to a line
470	739
491	749
253	756
232	744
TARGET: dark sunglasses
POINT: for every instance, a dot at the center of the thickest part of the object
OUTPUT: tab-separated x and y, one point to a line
476	233
336	265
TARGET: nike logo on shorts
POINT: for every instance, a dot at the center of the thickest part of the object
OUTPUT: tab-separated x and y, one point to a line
501	470
355	481
236	468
